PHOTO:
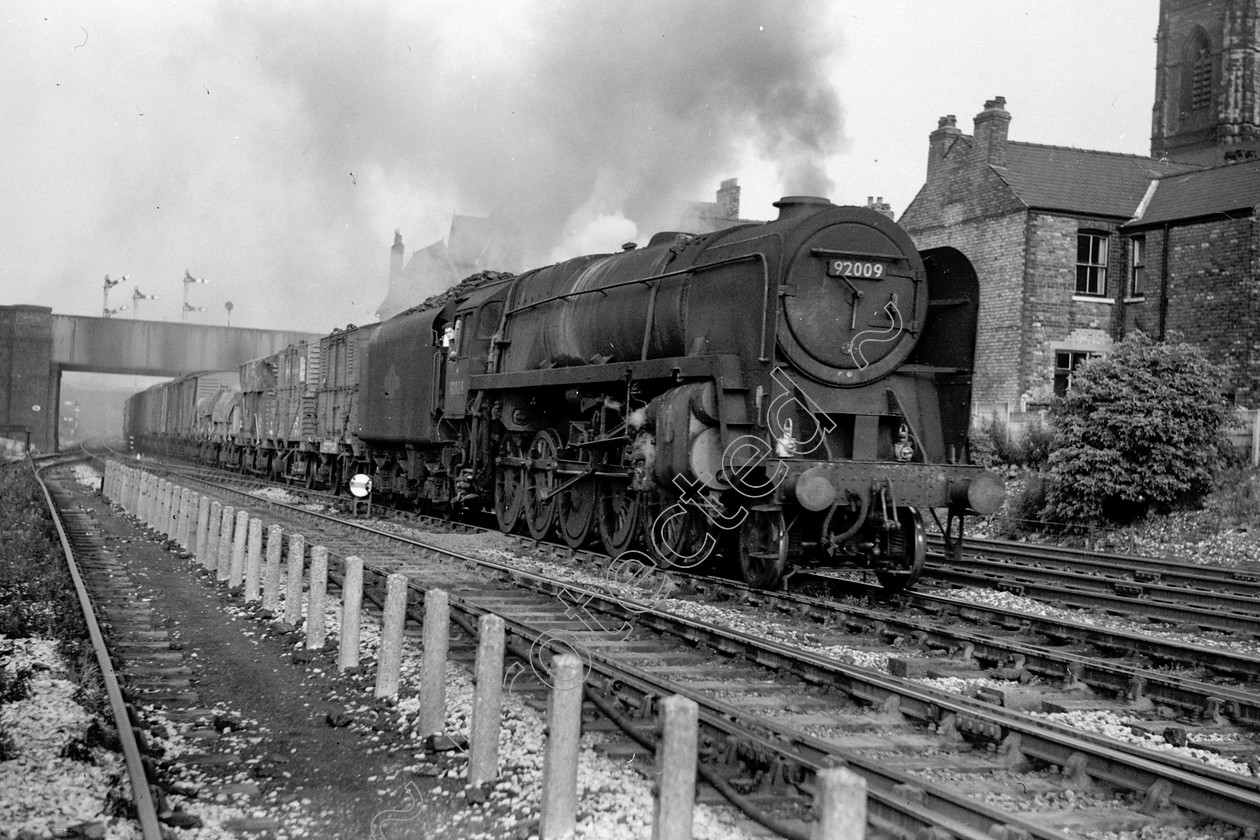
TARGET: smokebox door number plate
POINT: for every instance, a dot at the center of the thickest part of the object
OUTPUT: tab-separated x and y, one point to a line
864	269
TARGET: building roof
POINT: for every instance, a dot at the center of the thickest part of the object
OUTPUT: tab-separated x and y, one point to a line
428	270
1221	189
1081	180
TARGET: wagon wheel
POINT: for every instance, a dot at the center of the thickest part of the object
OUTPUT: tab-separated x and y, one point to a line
905	552
575	508
616	514
678	535
312	471
763	548
509	486
540	478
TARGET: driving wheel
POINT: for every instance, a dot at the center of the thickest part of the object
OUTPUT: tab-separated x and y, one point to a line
763	548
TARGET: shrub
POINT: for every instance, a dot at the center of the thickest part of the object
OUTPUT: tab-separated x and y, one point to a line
1021	513
1140	430
1037	443
988	442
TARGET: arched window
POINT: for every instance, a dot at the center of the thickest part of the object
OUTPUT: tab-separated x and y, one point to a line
1196	76
1201	73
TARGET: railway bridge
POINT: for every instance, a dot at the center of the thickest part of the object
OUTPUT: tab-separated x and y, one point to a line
36	346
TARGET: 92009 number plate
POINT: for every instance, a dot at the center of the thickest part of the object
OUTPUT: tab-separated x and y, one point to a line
864	269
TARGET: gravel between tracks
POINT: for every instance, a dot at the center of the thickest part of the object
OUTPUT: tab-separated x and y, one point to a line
503	549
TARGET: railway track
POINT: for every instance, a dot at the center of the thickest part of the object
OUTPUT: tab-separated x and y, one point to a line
860	714
101	589
1241	579
1159	591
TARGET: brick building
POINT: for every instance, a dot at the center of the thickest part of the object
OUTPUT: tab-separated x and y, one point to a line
1075	247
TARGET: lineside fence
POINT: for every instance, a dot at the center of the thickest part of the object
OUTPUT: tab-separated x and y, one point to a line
231	544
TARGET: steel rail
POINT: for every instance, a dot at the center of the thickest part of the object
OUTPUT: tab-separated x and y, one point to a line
146	806
1223	796
1117	677
1234	615
1095	577
1120	566
891	805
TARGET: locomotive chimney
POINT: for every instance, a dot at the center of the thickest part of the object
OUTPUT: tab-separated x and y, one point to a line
796	206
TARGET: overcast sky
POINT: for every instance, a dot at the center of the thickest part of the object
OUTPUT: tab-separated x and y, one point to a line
274	147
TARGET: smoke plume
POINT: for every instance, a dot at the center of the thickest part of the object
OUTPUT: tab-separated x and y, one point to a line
273	148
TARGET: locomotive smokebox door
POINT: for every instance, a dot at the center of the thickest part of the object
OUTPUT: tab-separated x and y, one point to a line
858	299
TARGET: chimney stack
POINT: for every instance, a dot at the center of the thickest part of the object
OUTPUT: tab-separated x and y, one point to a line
992	126
728	198
939	141
396	257
880	206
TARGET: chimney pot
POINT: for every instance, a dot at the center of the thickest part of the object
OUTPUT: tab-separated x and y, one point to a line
992	127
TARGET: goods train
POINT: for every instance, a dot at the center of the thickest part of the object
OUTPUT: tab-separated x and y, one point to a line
772	396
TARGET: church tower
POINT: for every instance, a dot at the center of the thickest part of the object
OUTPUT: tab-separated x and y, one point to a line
1207	81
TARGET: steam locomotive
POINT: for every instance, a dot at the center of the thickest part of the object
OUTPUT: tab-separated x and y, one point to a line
769	396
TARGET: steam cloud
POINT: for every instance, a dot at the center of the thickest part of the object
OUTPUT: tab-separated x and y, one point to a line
274	148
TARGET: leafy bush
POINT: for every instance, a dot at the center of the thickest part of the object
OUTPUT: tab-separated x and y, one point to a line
1037	443
989	443
1140	430
1021	513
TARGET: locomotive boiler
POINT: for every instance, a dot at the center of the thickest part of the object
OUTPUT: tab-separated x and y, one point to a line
795	392
766	397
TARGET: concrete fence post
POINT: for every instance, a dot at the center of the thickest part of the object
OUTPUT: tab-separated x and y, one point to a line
151	506
170	510
437	624
558	818
187	518
224	560
214	529
676	769
163	523
240	535
177	511
271	572
202	534
293	583
483	737
389	656
839	805
1255	438
253	560
317	599
142	501
155	502
351	605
